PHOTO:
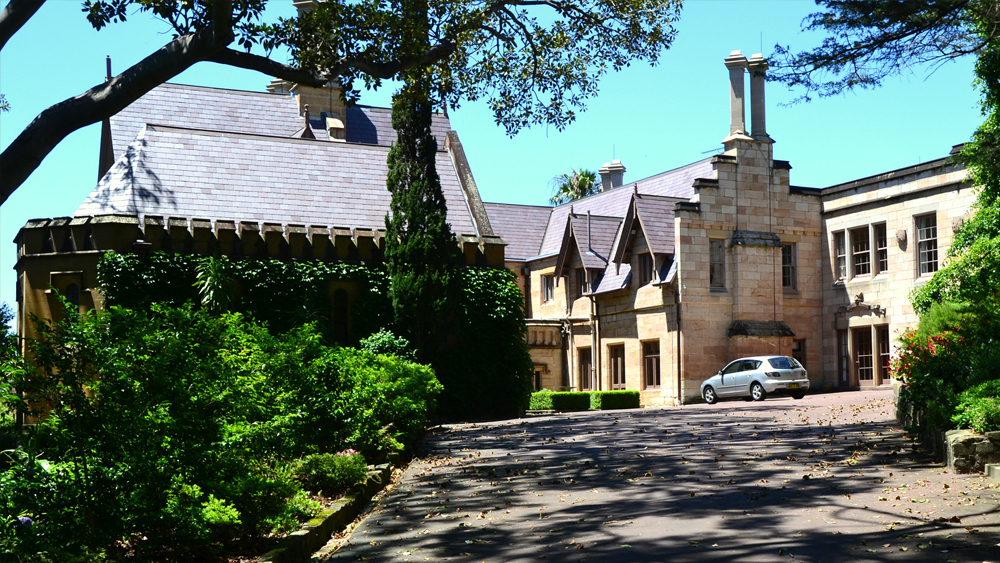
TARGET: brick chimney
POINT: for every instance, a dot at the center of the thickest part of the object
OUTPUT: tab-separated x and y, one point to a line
737	64
757	65
612	175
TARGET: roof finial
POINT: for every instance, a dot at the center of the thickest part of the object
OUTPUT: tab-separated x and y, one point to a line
571	209
635	188
108	79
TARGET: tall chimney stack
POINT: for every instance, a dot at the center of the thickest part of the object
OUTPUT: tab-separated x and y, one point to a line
612	175
737	64
757	65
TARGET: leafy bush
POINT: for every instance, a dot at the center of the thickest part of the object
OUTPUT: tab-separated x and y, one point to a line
979	408
387	343
176	426
620	399
331	473
936	368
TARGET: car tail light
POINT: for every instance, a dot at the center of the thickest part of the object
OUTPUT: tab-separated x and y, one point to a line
772	374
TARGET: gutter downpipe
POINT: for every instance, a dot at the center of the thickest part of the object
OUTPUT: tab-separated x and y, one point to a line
595	342
677	305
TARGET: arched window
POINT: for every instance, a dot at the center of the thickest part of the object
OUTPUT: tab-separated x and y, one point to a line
340	316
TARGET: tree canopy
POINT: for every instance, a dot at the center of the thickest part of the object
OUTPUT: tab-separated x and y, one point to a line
533	61
871	40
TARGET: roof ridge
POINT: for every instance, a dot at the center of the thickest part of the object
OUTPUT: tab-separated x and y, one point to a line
156	127
688	165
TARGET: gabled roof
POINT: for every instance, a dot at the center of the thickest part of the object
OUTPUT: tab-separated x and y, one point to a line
614	203
189	173
520	226
613	280
655	216
591	236
238	111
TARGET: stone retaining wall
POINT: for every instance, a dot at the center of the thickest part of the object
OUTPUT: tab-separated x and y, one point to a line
969	452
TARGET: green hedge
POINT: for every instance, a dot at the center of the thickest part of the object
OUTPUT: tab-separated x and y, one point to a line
608	400
979	408
584	400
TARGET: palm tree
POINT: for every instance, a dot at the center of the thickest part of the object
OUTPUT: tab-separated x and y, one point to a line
576	184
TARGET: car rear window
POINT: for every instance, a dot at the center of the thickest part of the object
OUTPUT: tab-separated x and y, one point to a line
780	363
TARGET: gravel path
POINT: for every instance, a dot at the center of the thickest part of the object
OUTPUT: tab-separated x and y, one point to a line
827	478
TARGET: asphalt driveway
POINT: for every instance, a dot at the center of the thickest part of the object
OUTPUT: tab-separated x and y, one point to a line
827	478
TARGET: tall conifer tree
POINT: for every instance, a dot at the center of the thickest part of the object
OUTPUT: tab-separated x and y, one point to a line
421	250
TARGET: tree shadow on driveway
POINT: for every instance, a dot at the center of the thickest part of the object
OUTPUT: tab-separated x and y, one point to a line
780	480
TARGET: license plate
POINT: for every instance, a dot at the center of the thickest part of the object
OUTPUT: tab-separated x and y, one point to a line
793	385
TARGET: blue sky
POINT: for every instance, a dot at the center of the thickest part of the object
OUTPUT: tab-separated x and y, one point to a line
653	119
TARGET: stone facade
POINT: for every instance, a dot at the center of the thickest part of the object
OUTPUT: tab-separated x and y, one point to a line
727	258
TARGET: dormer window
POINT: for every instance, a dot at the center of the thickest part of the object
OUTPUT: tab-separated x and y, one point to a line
647	268
581	282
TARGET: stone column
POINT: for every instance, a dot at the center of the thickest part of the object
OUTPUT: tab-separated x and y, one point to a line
758	73
737	64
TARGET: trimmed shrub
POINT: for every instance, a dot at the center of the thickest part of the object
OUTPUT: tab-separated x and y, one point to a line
330	473
561	401
388	344
979	408
608	400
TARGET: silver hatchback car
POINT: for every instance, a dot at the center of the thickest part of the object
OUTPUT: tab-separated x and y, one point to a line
756	377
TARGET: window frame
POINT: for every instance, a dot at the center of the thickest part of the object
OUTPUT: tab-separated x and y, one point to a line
585	358
581	282
926	242
788	270
647	265
716	263
651	363
548	288
616	363
861	252
880	244
840	255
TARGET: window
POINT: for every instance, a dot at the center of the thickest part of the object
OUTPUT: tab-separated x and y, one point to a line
73	294
799	351
581	282
882	336
788	266
645	268
617	357
548	288
863	355
881	249
651	364
734	367
840	256
842	356
538	380
927	244
780	362
586	373
717	264
861	255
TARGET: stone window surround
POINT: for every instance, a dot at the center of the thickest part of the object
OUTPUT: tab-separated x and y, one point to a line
789	267
717	264
650	360
548	284
843	239
922	243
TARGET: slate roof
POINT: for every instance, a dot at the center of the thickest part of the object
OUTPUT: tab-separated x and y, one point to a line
596	251
656	214
190	173
520	226
614	203
237	111
613	281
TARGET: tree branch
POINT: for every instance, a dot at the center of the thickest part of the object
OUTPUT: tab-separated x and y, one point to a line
51	126
14	16
249	61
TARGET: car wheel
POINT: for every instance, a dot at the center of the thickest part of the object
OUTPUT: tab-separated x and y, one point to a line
797	394
710	396
757	392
